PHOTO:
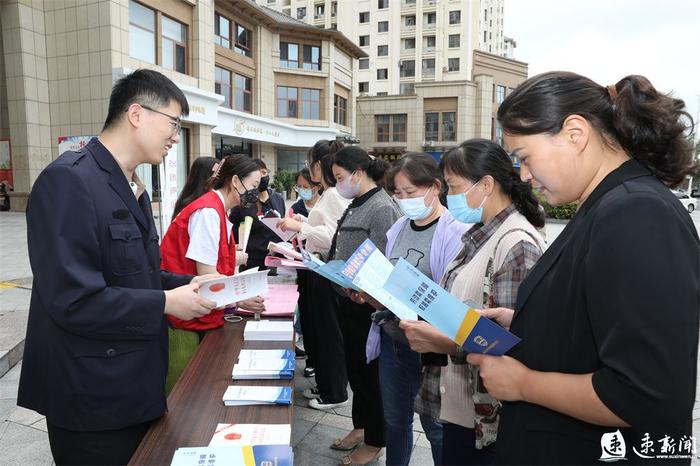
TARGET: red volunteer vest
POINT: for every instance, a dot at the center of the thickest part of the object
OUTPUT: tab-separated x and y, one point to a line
174	247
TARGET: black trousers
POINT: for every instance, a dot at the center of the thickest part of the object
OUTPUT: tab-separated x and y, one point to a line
458	447
329	357
306	313
367	409
106	447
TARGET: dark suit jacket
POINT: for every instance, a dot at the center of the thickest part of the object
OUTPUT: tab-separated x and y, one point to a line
618	295
96	352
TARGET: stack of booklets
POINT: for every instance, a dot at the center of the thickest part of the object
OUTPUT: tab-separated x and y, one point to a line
243	395
233	455
269	330
251	434
259	364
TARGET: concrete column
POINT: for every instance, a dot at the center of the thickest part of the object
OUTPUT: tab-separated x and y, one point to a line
201	142
484	105
203	44
24	49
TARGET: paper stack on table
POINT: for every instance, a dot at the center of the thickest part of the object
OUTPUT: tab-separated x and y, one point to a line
280	301
244	395
246	354
263	369
252	434
234	455
269	330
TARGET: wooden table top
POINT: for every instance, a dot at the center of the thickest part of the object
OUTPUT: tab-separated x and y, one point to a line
195	406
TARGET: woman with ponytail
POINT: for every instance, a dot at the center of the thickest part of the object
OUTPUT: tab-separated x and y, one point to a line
609	316
500	248
199	241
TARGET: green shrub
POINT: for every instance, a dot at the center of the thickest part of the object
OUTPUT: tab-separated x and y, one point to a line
284	181
561	212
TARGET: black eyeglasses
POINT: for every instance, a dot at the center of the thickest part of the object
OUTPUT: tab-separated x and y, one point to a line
175	122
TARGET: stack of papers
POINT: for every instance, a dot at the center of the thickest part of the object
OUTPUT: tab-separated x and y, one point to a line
269	330
273	261
243	455
266	369
252	434
246	354
243	395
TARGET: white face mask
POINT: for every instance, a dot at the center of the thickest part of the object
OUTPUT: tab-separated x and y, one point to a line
414	208
347	189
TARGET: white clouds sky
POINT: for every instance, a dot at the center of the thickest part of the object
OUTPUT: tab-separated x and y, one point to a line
609	39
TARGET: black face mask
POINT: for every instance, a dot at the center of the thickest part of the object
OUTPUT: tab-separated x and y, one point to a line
248	197
264	183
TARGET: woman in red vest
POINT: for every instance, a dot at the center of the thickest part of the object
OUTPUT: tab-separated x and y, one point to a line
199	241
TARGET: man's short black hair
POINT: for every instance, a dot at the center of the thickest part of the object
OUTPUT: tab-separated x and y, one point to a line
145	87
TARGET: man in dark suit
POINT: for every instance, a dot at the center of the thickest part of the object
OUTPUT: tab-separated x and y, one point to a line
96	351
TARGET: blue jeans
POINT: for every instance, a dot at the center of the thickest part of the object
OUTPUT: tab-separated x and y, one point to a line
399	380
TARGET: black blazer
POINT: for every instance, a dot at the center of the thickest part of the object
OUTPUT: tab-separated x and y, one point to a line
96	352
618	295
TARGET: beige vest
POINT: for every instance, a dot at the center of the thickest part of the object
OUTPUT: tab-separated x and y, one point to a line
456	404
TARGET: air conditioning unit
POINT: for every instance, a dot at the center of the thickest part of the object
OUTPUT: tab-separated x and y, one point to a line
445	69
428	143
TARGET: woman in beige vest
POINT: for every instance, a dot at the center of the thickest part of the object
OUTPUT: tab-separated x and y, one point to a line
499	250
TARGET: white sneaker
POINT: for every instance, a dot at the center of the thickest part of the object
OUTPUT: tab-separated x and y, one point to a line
318	403
311	393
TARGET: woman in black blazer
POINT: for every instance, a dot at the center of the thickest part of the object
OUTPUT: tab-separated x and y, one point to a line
609	315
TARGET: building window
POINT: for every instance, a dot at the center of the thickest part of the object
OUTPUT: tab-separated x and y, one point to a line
498	132
364	63
382	50
449	124
320	11
429	43
409	43
382	73
428	67
382	4
222	31
430	18
453	64
244	93
380	94
364	17
455	17
363	87
453	40
407	88
364	41
383	26
340	110
410	20
383	127
244	41
484	36
174	44
287	102
391	128
222	85
142	32
289	55
301	13
312	57
432	126
500	94
407	68
311	104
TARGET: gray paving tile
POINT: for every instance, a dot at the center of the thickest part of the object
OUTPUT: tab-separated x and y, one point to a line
335	420
421	440
306	457
41	425
6	408
25	417
319	439
421	456
21	445
308	414
300	428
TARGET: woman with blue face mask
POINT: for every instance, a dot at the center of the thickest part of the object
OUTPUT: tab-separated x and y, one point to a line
428	237
308	192
501	245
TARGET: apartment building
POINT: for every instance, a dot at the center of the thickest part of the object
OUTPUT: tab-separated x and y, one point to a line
257	81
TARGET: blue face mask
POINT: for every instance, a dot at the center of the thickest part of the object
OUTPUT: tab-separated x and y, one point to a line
415	208
305	193
459	208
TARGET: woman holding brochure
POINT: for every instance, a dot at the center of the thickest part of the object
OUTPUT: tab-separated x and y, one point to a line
609	316
499	250
322	338
428	237
199	241
369	216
